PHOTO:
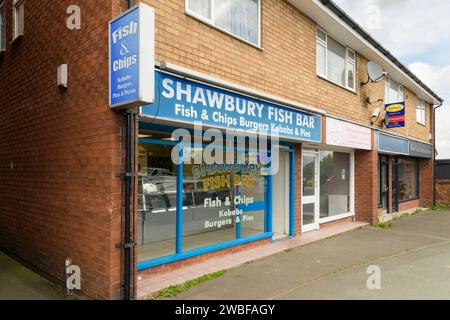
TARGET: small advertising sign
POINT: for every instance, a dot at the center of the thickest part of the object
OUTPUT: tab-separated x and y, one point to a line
395	115
132	58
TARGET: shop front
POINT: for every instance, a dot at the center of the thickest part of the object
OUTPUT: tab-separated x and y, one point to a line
329	174
399	172
216	169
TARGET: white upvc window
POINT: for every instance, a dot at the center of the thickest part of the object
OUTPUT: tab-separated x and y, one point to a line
2	27
239	18
394	92
335	62
420	112
19	18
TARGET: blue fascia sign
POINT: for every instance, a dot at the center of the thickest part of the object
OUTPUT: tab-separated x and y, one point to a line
184	101
132	58
420	149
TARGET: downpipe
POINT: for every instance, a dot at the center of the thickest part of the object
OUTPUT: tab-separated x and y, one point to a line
434	151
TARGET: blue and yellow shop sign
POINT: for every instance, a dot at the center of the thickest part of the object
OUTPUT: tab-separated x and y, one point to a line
184	101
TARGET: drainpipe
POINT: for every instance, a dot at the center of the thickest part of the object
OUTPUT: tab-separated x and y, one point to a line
128	243
434	150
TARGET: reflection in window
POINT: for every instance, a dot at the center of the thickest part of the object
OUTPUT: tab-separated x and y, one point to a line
335	62
221	202
334	183
408	172
239	17
218	198
157	202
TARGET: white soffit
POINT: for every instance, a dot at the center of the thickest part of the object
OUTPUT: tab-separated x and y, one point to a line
343	33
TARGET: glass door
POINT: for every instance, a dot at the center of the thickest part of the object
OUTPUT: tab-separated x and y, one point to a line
384	184
310	191
395	205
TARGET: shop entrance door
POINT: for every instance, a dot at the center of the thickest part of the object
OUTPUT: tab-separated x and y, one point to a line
281	198
310	191
384	184
395	205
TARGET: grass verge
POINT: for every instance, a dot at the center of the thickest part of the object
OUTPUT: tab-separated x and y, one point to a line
173	291
384	225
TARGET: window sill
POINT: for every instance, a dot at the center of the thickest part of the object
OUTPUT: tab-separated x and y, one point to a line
337	84
421	124
17	39
203	20
337	217
142	265
409	200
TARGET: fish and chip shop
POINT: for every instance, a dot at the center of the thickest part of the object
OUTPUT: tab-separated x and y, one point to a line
189	207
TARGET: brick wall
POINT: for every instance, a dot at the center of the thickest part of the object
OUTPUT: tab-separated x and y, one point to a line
443	191
426	183
366	185
60	151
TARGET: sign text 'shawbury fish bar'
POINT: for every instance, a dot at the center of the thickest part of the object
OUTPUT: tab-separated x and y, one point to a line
190	102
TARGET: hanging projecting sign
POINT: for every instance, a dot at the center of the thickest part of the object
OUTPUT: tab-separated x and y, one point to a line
183	101
395	115
132	58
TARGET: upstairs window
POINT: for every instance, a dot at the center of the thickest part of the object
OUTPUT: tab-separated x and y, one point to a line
394	92
19	18
335	62
2	27
420	112
240	18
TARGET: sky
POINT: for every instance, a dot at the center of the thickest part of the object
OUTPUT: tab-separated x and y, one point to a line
418	34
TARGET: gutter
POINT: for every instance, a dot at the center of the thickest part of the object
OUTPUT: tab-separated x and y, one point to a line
434	151
358	29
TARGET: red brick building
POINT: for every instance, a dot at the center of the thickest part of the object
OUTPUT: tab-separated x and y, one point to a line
63	152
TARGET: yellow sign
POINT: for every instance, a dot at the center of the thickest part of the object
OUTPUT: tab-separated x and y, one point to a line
395	108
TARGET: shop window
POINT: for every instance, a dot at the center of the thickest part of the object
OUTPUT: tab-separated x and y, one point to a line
420	112
335	62
2	27
335	181
19	18
222	202
157	202
408	175
394	92
240	18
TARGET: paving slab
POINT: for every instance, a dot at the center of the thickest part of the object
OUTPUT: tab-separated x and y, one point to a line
20	283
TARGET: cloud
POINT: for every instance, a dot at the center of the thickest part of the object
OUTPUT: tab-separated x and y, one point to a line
407	27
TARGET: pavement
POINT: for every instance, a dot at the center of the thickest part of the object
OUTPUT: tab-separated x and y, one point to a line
19	283
413	257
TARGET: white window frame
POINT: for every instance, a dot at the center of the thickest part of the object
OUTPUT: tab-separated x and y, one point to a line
348	61
352	173
210	22
3	31
16	5
387	89
421	112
